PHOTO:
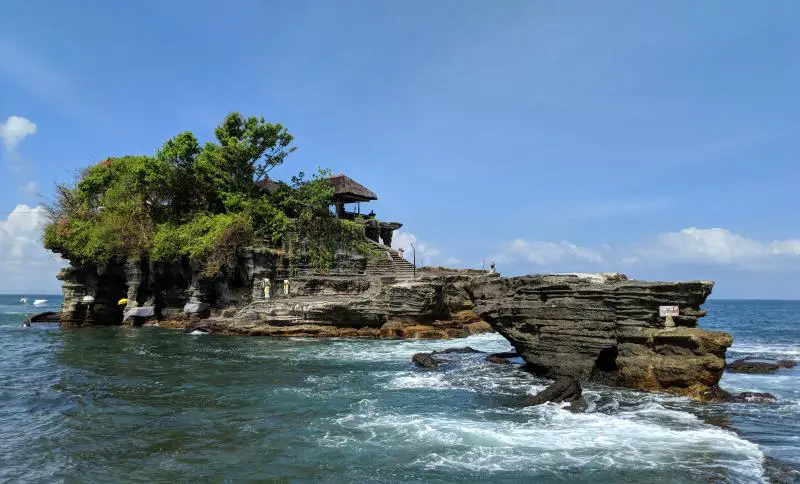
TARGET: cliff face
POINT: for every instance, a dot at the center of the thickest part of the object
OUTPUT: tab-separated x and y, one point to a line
606	328
359	296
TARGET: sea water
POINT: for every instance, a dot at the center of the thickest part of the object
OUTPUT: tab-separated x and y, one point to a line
159	405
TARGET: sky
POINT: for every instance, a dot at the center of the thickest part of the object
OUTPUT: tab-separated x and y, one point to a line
657	139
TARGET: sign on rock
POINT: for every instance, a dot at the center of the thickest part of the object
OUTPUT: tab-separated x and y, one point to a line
668	311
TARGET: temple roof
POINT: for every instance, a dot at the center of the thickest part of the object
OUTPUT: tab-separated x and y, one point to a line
348	190
270	186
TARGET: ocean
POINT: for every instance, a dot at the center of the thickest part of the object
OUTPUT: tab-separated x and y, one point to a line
159	405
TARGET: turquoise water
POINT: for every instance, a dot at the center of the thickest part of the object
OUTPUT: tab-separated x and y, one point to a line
158	405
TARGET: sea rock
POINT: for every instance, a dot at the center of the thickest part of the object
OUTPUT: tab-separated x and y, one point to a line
753	397
502	358
497	359
465	349
46	317
425	360
748	365
781	472
606	328
562	390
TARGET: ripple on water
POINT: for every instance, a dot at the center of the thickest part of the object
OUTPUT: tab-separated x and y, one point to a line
154	405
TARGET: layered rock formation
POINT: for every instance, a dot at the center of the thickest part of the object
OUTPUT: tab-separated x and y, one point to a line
606	328
359	296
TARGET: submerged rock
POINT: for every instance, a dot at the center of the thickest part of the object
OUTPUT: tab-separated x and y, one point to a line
718	395
466	349
753	397
46	317
780	472
562	390
425	360
606	328
497	359
749	365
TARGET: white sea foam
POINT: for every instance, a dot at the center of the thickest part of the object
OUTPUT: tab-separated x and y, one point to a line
40	302
771	350
393	350
548	438
198	332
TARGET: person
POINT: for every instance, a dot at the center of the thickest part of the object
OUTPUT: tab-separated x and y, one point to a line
491	268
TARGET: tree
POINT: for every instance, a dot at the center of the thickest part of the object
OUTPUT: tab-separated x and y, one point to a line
251	147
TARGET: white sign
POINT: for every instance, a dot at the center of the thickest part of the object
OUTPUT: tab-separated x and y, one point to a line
667	311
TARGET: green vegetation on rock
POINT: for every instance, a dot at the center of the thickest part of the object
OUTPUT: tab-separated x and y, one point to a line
202	203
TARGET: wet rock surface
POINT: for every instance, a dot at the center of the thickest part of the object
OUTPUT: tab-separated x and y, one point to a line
562	390
780	472
425	360
753	397
606	328
751	365
497	359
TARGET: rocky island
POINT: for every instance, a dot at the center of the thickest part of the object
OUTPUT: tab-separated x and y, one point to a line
200	237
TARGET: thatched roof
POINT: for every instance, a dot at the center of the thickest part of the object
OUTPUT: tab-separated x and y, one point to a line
270	186
348	190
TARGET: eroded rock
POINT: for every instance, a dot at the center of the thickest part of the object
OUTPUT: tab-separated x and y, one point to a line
606	328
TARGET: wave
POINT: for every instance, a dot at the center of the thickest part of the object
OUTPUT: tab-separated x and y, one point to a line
40	302
389	350
549	439
767	350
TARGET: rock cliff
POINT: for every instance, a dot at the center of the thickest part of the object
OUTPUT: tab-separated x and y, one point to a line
357	297
606	328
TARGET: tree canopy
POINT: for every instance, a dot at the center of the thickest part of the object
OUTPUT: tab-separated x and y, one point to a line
203	203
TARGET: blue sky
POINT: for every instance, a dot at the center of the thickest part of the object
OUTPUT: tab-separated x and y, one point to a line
659	140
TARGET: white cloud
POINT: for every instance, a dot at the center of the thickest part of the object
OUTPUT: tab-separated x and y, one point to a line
27	266
715	246
30	188
424	250
15	129
547	253
700	247
451	261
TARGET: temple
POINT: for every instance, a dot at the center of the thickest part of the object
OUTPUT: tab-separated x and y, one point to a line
349	191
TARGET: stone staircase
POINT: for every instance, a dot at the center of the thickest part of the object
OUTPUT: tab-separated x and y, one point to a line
389	263
403	269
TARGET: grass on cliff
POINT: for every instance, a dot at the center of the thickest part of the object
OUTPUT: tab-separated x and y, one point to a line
200	203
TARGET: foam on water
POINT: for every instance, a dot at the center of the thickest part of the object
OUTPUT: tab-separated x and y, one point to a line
546	438
391	350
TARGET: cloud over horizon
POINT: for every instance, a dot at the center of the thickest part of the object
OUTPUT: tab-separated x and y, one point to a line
27	265
713	247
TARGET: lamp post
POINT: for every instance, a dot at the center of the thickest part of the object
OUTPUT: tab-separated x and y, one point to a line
414	253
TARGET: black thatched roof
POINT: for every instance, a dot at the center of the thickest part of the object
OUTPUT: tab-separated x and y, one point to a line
348	190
